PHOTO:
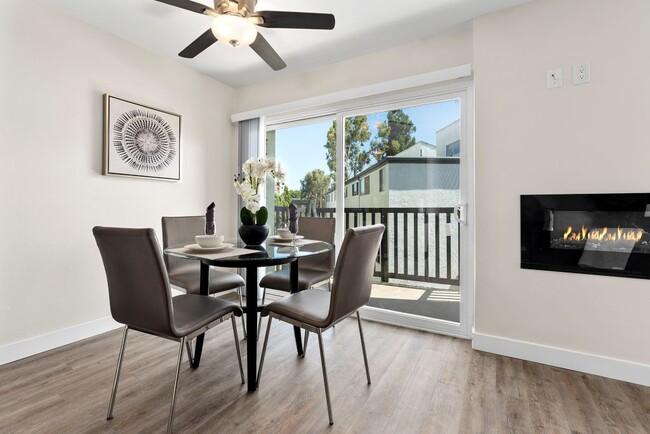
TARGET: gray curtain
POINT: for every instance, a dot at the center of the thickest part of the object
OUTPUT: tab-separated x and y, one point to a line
249	137
249	146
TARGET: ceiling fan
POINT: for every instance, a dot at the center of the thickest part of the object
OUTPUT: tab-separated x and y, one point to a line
235	23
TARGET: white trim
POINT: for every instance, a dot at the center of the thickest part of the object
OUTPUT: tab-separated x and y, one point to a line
339	226
411	321
460	71
49	341
468	229
623	370
298	122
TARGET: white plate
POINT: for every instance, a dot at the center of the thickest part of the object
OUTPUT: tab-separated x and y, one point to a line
196	248
279	239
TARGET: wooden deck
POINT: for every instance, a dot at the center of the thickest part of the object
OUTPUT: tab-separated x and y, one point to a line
421	383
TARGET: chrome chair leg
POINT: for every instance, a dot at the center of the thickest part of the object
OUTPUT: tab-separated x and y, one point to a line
363	347
170	421
327	388
234	331
116	380
241	304
266	341
259	324
304	348
188	345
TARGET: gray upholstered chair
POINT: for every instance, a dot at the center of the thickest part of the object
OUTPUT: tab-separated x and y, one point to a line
311	270
185	273
316	311
140	298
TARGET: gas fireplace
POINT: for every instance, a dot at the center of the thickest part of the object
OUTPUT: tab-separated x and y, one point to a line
605	234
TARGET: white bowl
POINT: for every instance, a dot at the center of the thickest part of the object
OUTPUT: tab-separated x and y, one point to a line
209	240
284	233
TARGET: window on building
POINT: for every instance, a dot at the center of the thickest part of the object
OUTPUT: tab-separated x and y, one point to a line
453	149
355	189
365	185
381	179
345	190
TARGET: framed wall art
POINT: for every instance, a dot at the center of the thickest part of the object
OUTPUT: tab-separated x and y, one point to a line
141	141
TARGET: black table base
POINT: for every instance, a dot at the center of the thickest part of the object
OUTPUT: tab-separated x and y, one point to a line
251	320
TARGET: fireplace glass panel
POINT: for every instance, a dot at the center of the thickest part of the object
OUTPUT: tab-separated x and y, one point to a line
597	233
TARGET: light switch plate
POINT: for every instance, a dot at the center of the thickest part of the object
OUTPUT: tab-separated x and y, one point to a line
554	78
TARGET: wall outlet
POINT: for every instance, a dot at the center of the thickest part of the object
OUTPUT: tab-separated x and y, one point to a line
582	73
554	78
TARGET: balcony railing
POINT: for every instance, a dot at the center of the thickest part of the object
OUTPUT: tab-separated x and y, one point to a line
416	245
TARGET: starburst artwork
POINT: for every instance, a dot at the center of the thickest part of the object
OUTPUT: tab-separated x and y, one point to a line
140	141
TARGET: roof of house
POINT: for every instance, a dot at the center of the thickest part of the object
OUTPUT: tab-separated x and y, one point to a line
420	149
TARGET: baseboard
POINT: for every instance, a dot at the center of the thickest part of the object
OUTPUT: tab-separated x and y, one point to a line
38	344
617	369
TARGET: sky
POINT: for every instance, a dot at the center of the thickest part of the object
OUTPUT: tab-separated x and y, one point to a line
302	149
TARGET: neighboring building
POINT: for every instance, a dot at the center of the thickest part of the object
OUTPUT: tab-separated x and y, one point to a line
416	176
448	140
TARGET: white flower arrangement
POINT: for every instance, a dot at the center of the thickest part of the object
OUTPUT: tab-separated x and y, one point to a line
247	184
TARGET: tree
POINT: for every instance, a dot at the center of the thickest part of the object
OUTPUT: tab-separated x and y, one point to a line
356	134
315	186
285	198
393	135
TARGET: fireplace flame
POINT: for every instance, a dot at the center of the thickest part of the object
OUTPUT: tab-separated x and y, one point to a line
603	234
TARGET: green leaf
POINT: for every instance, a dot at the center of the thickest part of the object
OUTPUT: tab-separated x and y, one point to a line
262	216
246	216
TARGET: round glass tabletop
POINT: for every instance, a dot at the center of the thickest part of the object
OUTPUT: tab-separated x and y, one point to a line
242	256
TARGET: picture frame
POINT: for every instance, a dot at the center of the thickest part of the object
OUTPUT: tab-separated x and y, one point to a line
141	141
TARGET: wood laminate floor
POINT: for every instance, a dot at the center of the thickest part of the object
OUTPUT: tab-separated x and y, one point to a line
421	383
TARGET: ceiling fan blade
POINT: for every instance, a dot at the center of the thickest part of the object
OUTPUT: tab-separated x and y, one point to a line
295	20
190	6
267	53
199	44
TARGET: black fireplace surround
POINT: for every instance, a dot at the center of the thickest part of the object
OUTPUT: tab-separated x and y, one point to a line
606	234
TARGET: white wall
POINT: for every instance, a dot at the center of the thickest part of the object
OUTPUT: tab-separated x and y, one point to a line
576	139
53	73
451	49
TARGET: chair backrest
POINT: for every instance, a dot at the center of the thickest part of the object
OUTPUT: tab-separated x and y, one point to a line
321	229
354	270
181	230
138	287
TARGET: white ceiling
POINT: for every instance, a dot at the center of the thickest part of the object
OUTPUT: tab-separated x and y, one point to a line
362	27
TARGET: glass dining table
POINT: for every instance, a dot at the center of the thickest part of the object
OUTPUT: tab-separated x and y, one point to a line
251	258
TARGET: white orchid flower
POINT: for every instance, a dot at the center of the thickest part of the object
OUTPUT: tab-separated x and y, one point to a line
253	204
280	174
255	171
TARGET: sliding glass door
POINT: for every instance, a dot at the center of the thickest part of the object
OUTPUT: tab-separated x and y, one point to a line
406	164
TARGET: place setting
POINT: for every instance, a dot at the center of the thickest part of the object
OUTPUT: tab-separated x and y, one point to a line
209	244
212	245
285	237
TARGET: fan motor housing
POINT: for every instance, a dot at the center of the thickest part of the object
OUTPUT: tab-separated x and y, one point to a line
239	7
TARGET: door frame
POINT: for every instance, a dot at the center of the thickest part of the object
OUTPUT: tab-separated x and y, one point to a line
462	89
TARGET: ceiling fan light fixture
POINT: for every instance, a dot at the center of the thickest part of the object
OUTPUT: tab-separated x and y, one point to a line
234	30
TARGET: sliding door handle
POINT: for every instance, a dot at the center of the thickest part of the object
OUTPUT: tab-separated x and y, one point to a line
461	213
